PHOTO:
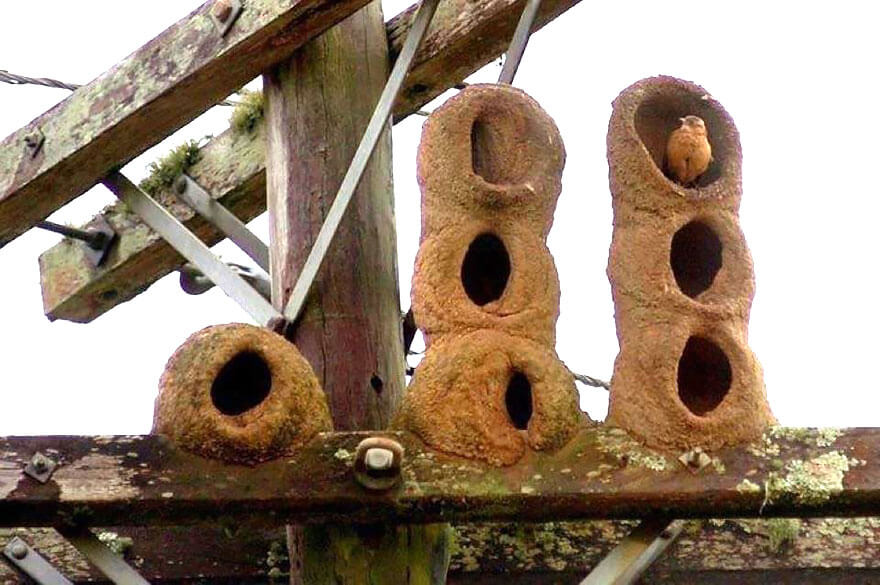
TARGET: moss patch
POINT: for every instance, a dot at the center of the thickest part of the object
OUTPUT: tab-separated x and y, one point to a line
248	112
164	171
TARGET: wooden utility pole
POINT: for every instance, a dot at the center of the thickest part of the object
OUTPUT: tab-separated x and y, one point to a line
318	104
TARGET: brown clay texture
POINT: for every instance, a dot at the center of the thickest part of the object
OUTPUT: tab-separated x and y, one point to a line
529	305
490	153
456	402
485	289
187	411
681	278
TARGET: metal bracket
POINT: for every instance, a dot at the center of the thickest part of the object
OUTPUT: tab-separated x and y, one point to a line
518	43
194	282
224	220
112	565
40	467
29	562
634	554
362	155
224	13
191	248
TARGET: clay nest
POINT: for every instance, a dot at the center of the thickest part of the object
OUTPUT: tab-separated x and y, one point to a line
486	275
490	396
241	394
644	116
490	150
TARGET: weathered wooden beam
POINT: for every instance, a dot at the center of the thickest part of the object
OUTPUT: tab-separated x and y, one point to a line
156	90
601	473
464	36
556	552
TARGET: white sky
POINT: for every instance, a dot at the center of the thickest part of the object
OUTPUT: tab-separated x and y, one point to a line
793	75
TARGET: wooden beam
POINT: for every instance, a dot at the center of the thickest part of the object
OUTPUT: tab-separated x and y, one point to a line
318	106
600	474
463	37
156	90
557	552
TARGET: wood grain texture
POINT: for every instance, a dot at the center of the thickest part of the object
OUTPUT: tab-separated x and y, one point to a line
156	90
317	106
463	36
108	481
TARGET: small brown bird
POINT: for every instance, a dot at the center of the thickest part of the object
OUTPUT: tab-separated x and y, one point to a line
688	152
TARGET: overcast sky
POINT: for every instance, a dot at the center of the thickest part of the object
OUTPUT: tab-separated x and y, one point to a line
793	75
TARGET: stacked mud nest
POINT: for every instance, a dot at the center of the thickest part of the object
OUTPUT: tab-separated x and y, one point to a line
681	277
485	290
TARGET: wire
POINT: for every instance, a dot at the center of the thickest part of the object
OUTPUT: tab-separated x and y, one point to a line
15	79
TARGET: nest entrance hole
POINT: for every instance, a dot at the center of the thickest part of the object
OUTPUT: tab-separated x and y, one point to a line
695	257
518	401
506	144
242	384
659	115
485	269
704	375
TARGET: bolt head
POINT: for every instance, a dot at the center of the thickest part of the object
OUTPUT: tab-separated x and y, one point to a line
222	10
40	465
18	550
378	459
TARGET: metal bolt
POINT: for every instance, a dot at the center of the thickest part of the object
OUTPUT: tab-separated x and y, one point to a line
40	465
222	10
180	185
378	459
377	463
19	550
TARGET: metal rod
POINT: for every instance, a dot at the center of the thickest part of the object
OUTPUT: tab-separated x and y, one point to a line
518	43
634	554
224	220
191	248
32	564
112	565
361	157
95	240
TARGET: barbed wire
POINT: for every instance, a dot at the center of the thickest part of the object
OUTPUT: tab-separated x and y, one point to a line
15	79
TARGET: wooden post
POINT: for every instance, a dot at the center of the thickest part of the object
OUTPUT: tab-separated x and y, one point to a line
317	106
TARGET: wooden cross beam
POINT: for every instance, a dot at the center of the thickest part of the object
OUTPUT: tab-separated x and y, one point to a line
601	473
464	36
156	90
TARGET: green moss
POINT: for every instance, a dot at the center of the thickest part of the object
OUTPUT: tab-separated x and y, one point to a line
781	532
164	171
248	112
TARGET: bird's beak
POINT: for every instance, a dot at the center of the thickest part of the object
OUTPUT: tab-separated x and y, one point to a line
681	120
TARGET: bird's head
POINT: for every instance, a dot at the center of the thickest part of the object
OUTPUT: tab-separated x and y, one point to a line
693	123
